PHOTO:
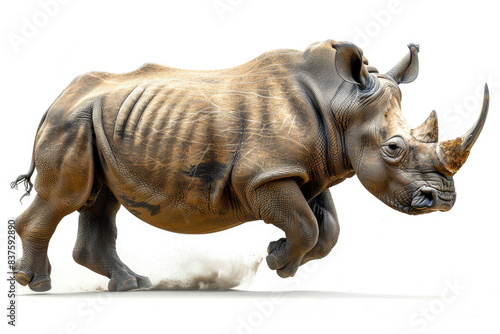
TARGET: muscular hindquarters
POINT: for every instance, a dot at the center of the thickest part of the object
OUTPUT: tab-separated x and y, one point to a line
63	158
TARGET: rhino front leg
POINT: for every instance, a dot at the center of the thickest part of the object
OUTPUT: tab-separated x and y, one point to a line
282	204
95	246
328	223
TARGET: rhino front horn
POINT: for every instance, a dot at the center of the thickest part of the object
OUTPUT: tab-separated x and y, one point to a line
453	153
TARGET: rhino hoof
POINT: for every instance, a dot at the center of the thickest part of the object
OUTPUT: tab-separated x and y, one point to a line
280	259
287	271
129	283
40	283
23	278
279	254
143	282
273	245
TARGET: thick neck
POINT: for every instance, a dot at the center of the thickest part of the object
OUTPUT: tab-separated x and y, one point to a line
333	123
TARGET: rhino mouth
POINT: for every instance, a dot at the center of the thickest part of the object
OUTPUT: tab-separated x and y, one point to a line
426	199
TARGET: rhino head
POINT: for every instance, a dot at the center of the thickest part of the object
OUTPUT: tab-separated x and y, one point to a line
407	169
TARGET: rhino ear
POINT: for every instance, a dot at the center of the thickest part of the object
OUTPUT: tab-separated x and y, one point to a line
349	63
407	69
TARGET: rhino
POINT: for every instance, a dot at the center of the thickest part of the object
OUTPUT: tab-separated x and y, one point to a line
203	151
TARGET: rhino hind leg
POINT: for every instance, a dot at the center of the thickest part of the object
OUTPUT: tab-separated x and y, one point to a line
282	204
64	162
35	226
95	247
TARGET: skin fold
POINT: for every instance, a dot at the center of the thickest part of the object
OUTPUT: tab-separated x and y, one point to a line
203	151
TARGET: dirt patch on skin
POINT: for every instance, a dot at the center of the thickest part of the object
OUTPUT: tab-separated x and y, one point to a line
211	275
453	154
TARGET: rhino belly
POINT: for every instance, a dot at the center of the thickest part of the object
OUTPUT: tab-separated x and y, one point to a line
183	203
181	217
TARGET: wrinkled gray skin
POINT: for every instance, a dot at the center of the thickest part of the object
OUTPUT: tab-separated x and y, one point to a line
203	151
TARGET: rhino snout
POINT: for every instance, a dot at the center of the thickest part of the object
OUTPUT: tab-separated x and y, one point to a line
431	199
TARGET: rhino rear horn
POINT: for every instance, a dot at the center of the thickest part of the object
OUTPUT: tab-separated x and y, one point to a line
428	132
407	69
453	153
350	64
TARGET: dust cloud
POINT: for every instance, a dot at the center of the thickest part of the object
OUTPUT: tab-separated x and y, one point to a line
210	274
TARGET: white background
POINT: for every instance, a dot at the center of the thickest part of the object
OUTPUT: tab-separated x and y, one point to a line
388	272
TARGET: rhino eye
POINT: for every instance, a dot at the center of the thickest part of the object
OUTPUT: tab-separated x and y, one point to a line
393	146
393	149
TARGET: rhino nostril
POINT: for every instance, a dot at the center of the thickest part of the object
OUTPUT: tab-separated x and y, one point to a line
428	194
423	199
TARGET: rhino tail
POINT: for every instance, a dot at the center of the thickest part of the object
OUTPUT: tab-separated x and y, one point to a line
26	178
